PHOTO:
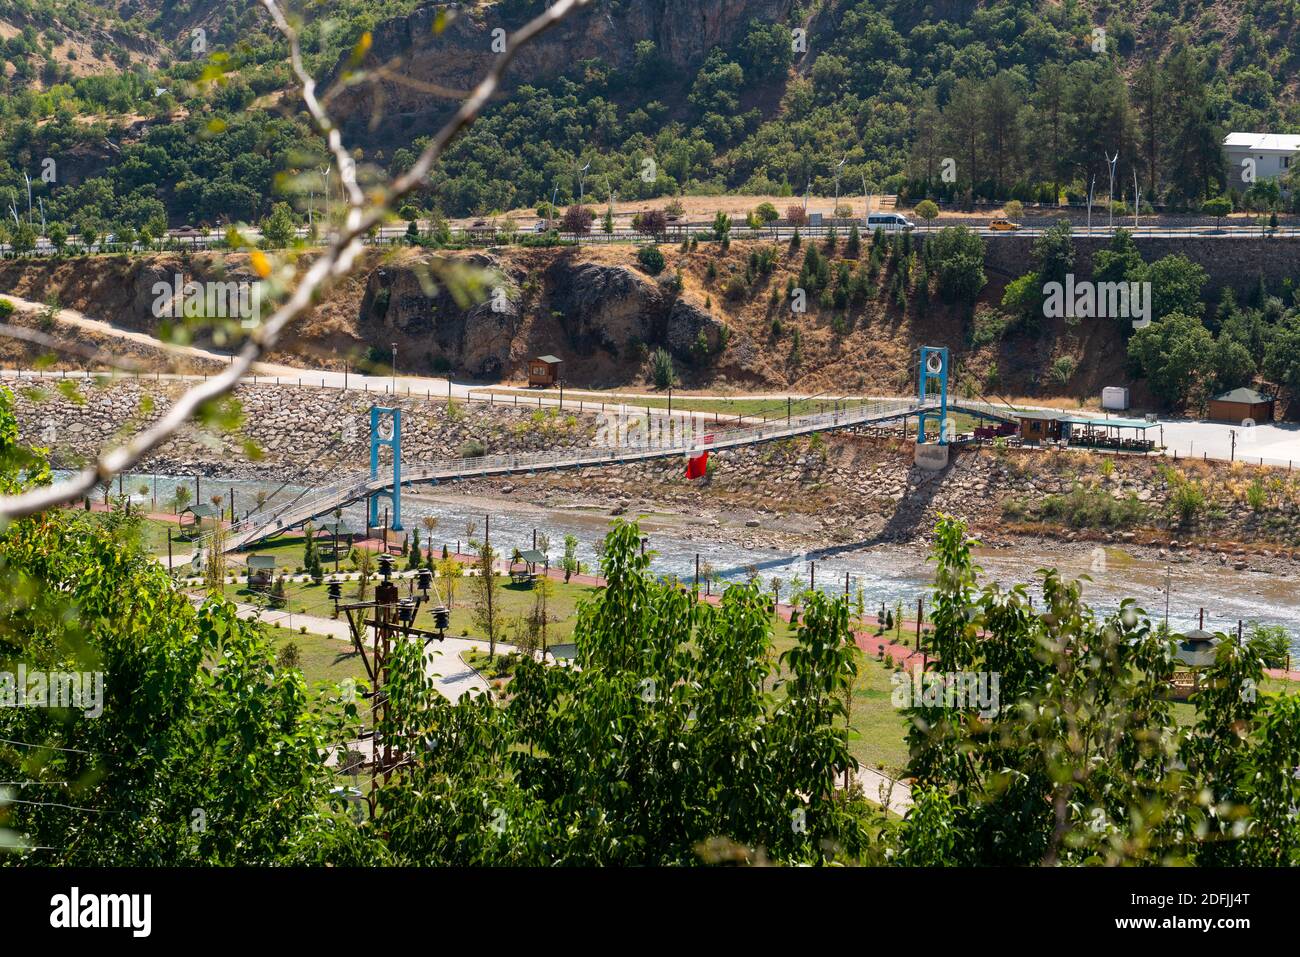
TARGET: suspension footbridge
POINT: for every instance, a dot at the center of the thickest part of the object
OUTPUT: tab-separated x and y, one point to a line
373	485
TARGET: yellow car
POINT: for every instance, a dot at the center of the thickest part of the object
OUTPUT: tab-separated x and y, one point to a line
1004	225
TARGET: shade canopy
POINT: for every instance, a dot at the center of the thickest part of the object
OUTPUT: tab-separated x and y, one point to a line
533	557
1197	648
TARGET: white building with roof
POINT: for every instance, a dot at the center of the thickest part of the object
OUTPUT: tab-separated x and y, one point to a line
1267	155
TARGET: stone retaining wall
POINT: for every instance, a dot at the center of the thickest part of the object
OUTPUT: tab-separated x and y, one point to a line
1234	262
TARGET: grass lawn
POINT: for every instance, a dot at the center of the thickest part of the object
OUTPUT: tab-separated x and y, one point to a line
153	534
878	726
305	598
771	408
288	552
320	657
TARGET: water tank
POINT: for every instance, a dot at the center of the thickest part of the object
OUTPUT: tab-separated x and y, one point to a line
1114	398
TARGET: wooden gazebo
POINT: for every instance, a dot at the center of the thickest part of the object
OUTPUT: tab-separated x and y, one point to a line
530	558
1195	652
261	570
197	514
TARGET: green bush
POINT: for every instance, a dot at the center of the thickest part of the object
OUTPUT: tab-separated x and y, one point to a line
651	259
1187	501
988	327
661	369
1092	508
1063	370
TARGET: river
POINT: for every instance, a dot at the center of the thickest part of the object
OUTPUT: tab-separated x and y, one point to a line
887	574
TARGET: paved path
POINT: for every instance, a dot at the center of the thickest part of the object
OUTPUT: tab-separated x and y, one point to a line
451	676
879	788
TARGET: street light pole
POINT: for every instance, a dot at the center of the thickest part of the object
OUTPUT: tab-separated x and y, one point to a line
839	166
1110	193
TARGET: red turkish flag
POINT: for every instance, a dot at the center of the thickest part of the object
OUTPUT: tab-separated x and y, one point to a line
698	467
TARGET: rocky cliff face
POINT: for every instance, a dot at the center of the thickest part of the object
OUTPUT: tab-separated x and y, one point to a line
682	30
604	314
612	308
599	314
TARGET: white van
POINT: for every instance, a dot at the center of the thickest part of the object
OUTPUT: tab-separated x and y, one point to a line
889	222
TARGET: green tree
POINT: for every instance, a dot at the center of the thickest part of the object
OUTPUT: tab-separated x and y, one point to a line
569	563
279	230
959	253
489	617
928	211
1176	286
169	772
1120	261
614	761
662	372
1218	207
1053	251
1176	355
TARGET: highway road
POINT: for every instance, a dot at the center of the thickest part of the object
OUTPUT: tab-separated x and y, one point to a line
395	235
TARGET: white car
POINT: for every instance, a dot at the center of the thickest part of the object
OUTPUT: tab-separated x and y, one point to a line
889	222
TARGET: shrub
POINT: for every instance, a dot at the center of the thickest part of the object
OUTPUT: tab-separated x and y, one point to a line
1256	495
1187	501
288	657
651	259
1092	508
1063	370
473	449
1271	643
661	369
735	288
987	328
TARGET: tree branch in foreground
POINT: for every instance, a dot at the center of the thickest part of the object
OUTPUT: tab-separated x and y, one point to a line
336	262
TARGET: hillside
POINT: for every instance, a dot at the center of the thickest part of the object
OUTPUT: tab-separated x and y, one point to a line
729	325
751	96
